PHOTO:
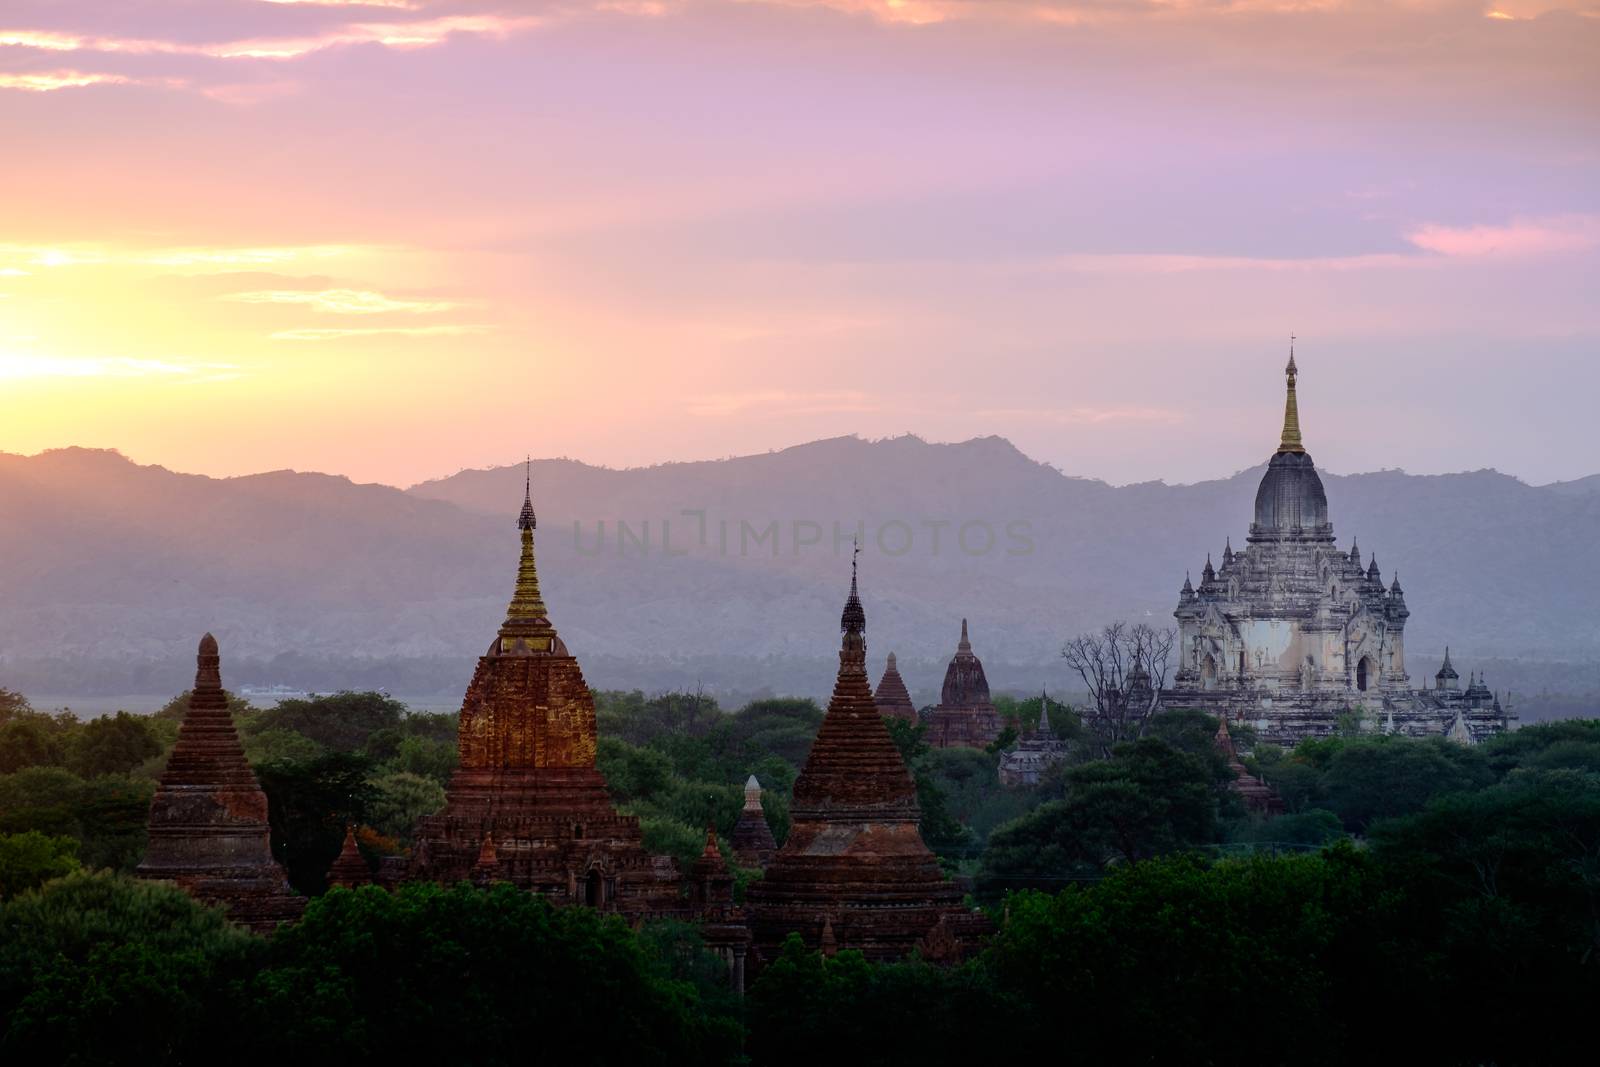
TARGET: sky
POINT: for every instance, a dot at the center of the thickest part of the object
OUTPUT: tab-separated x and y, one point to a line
396	238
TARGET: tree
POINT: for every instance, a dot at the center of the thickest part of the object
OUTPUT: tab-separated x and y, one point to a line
96	968
400	799
112	744
1377	778
1148	799
807	1009
105	815
12	703
340	722
1146	965
309	805
1120	704
29	860
462	975
30	740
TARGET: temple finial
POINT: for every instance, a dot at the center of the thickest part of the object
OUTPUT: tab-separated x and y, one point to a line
853	622
1291	409
527	610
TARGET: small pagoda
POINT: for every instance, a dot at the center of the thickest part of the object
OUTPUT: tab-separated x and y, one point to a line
527	804
854	870
892	698
752	840
1259	797
208	831
965	716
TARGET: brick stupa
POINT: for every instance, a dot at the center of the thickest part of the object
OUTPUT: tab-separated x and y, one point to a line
527	778
893	698
208	819
854	862
350	870
753	843
965	716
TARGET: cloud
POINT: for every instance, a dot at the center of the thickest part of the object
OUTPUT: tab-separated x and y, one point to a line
51	80
342	301
13	367
1520	238
334	333
78	255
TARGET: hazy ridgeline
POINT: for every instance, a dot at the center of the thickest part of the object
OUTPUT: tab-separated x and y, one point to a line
111	569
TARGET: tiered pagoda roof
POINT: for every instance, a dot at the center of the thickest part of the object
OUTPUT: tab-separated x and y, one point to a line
208	829
965	716
892	697
752	840
527	780
854	864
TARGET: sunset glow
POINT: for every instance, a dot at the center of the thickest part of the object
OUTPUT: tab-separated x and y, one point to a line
394	238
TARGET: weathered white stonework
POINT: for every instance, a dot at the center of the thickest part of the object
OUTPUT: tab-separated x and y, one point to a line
1292	632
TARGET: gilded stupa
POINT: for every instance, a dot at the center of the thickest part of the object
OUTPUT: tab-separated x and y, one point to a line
527	787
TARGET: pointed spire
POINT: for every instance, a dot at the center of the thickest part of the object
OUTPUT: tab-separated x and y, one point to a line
1372	571
1188	586
527	611
830	943
1291	409
349	869
526	520
1227	553
752	794
1209	574
1355	552
1044	715
853	621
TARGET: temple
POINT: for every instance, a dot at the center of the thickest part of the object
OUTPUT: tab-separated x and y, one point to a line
1292	632
854	872
349	870
1027	762
964	716
753	843
1258	797
892	697
527	804
208	830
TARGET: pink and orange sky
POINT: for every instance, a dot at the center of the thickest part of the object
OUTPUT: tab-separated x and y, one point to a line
395	238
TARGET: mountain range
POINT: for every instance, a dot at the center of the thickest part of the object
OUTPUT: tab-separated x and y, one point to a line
729	574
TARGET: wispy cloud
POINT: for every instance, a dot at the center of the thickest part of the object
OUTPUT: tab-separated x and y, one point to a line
51	80
79	255
13	367
342	301
1519	238
334	333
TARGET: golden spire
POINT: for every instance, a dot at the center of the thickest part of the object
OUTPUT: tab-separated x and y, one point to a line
1291	410
527	610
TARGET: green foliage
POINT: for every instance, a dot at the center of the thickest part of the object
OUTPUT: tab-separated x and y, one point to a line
461	975
806	1010
105	815
31	740
112	744
267	746
1152	963
1315	827
11	704
340	722
427	756
1363	779
309	805
399	800
29	860
1149	798
101	969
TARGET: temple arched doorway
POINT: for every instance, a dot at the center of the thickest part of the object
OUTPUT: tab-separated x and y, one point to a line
1364	673
594	889
1208	673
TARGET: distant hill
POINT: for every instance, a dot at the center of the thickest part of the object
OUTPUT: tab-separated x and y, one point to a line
109	571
